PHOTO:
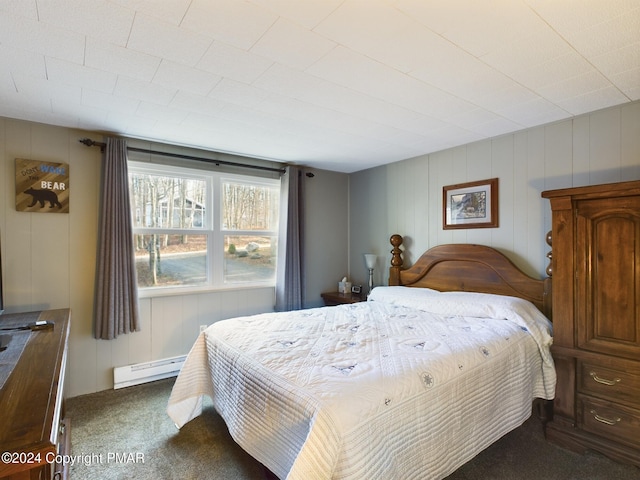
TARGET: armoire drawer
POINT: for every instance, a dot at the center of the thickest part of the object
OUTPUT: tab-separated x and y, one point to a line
609	420
613	384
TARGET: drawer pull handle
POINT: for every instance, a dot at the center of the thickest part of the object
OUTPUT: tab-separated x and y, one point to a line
605	420
604	381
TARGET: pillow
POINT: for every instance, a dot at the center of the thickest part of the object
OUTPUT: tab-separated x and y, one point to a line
401	295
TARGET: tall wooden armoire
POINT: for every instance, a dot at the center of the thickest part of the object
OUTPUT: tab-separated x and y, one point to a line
596	319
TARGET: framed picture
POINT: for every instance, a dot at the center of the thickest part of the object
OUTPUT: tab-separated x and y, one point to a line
470	205
42	187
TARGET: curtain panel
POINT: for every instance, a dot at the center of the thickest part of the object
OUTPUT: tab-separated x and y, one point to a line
116	302
290	284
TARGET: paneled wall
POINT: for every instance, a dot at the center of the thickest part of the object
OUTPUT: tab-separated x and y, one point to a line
49	260
406	197
326	233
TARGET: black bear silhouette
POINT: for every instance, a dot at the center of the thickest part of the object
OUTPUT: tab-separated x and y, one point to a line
42	196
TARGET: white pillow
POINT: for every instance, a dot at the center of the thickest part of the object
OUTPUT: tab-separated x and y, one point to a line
401	295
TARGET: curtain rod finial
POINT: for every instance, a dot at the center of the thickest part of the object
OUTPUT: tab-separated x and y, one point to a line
86	141
92	143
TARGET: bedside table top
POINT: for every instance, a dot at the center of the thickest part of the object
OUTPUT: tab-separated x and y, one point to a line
337	298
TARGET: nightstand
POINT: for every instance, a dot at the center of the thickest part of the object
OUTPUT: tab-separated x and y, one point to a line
336	298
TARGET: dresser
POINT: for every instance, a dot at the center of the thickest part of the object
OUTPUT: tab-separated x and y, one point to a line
596	319
34	434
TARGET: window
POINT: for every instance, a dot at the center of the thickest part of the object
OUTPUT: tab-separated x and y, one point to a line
202	229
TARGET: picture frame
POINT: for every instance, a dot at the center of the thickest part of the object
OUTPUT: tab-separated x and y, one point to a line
42	186
470	205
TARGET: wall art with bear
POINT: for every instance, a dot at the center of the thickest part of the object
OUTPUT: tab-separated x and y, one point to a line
42	186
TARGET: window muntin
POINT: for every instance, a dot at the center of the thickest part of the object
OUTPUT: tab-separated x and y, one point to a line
185	221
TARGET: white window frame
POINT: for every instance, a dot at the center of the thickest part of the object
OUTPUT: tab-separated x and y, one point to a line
212	227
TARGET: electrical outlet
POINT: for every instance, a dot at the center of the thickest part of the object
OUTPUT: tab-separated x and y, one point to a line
203	328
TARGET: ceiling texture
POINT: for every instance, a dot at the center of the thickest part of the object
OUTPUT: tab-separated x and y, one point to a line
340	85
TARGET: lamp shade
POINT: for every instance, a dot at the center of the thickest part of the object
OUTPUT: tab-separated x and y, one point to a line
370	260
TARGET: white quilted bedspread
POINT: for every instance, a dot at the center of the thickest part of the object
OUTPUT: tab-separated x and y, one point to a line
404	386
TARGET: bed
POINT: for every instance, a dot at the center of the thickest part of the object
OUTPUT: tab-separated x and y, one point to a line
412	383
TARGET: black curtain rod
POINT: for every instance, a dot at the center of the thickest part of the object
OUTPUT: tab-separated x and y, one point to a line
90	143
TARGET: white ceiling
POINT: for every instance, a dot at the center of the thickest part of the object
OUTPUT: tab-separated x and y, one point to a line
341	85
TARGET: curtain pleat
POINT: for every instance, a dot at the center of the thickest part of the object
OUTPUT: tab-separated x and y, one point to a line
116	310
290	283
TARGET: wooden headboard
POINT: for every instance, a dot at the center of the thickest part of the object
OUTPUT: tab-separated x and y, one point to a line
469	268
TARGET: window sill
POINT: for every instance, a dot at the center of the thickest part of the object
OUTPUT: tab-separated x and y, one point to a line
191	290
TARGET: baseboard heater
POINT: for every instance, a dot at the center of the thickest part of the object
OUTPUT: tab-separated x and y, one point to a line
147	371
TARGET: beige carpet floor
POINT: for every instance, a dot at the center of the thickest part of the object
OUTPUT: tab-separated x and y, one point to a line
126	434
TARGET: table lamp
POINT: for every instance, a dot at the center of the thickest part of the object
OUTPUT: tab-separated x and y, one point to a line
370	260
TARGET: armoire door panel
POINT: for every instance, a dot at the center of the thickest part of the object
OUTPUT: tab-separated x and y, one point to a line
607	269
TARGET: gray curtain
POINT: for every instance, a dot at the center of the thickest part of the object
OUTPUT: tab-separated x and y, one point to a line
290	270
116	286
